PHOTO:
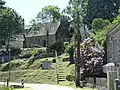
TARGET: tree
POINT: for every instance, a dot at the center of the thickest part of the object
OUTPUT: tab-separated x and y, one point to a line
101	34
106	9
58	46
71	9
2	3
70	50
75	9
92	55
99	24
11	24
48	14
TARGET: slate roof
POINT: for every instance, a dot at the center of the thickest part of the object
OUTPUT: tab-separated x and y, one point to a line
43	28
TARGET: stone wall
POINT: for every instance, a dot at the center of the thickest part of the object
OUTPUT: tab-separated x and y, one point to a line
113	46
39	40
101	83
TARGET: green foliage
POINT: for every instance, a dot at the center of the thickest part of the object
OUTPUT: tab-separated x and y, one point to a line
58	46
72	8
25	53
11	24
116	20
35	52
99	23
34	76
48	14
70	50
13	65
15	51
70	73
101	35
6	88
2	3
106	9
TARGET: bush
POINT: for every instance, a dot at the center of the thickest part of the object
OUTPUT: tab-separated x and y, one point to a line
39	53
36	52
58	46
25	56
65	59
26	53
13	65
15	51
99	24
70	74
70	50
70	77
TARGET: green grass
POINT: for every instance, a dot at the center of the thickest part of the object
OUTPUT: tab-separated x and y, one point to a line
31	76
67	83
34	74
6	88
21	64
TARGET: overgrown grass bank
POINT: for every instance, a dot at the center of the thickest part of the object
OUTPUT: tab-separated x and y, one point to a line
31	76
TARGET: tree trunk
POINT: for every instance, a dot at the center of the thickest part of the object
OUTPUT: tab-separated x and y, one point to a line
47	38
71	60
77	79
94	84
24	42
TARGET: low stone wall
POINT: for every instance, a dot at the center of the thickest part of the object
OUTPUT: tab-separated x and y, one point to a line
101	83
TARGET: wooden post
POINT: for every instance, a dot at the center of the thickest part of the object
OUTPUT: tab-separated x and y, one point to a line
78	63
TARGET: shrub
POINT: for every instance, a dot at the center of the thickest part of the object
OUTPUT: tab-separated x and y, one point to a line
65	59
70	77
70	74
15	51
26	53
70	50
36	52
54	61
58	46
99	24
25	56
13	65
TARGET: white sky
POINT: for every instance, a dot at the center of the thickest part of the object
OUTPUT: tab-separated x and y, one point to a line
30	8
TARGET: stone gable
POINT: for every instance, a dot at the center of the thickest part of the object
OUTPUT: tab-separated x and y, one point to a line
113	45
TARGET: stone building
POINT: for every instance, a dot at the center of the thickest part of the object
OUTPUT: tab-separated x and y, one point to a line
113	45
39	37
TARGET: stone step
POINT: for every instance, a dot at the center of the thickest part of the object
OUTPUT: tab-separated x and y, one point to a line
62	79
61	72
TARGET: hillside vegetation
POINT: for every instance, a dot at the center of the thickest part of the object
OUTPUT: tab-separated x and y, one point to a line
30	69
